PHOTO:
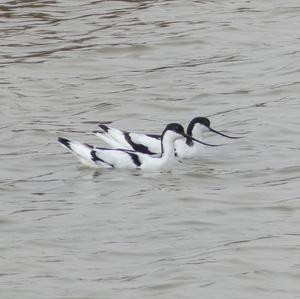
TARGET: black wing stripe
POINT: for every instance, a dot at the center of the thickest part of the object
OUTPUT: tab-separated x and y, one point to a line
135	158
155	136
65	142
95	158
104	127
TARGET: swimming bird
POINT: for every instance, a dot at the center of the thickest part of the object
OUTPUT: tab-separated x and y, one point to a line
129	159
150	143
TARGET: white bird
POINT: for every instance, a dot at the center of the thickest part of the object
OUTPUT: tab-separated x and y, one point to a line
129	159
151	143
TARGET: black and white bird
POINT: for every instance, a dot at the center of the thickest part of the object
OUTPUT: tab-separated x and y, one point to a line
151	143
129	159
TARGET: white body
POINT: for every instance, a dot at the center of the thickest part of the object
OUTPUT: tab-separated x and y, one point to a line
116	139
127	159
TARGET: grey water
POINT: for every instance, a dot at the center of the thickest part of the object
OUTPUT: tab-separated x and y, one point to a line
226	225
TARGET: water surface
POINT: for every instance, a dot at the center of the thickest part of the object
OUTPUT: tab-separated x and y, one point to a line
224	226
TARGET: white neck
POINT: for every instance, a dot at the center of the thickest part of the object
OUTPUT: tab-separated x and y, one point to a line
168	149
198	131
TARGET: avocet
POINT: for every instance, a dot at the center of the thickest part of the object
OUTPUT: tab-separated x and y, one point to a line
129	159
151	143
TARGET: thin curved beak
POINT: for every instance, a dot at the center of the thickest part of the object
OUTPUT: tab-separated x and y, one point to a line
208	144
222	134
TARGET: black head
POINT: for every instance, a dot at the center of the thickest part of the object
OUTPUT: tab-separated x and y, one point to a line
177	128
197	120
202	120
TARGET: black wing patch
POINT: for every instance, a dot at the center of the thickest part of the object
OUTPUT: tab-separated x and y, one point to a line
137	147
